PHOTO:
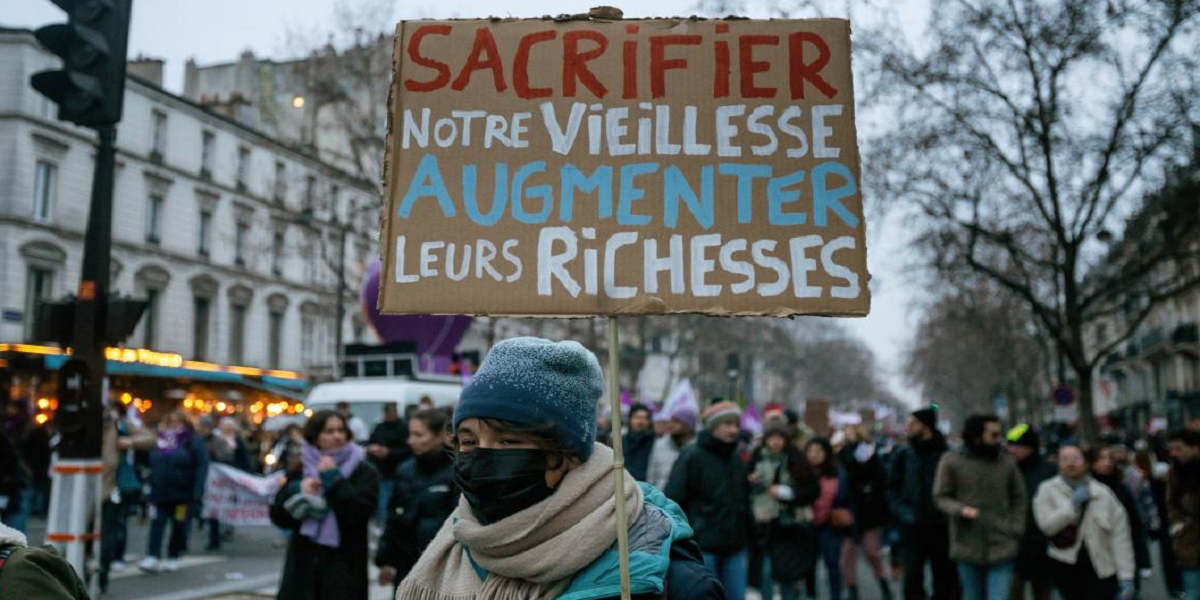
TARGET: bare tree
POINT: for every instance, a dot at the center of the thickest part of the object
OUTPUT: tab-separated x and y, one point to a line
975	342
1025	133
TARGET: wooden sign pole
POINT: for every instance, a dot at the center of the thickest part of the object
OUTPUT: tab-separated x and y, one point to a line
614	395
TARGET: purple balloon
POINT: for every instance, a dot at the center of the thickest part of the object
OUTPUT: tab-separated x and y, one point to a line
436	336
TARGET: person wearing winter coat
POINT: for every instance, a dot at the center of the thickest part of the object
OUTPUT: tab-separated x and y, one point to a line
982	492
327	511
680	431
537	516
638	442
120	487
1104	470
178	469
712	484
1090	548
923	529
1183	507
868	502
15	482
1032	566
31	573
424	496
783	493
387	449
831	515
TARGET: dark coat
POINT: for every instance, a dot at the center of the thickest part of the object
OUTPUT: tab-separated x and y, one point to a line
710	482
636	448
14	475
424	496
791	545
867	483
394	435
910	483
1137	525
1031	557
178	476
315	572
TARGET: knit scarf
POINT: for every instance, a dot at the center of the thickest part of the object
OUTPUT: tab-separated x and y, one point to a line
325	530
170	440
532	554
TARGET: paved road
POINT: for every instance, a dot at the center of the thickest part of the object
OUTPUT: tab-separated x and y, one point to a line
248	568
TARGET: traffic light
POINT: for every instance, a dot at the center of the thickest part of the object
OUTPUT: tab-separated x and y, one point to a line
55	321
91	85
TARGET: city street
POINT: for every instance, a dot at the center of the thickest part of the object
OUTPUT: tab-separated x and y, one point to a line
249	566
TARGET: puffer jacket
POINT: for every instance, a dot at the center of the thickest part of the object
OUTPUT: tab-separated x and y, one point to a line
995	487
178	476
1104	527
711	482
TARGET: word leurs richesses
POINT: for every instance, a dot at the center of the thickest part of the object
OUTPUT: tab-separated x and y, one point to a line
676	160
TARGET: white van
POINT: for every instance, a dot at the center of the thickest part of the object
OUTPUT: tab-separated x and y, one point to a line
367	397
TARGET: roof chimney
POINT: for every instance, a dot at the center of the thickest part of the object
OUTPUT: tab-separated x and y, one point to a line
150	69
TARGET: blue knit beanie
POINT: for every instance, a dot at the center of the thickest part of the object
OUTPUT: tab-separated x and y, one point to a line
533	381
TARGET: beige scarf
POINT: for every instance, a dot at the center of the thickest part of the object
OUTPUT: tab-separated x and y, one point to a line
532	554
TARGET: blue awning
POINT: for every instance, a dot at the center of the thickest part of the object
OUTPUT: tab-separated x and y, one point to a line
292	388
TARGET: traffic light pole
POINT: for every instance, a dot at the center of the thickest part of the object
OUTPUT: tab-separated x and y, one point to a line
75	499
91	314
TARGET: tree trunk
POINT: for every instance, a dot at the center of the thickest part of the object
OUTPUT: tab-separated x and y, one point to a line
1088	433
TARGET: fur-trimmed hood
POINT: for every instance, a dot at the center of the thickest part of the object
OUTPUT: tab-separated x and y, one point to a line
9	536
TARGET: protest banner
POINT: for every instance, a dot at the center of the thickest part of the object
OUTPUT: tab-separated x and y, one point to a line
586	167
236	497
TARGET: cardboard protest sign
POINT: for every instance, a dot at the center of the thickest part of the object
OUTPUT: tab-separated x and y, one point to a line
537	167
816	416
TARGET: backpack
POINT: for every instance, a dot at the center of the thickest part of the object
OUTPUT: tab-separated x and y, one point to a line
38	573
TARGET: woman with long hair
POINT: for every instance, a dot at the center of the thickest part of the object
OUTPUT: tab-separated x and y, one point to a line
537	517
831	514
781	501
327	507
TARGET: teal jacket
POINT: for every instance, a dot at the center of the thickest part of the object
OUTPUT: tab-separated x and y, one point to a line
660	526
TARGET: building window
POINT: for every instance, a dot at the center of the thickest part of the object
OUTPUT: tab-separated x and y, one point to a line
204	232
239	243
334	192
276	338
200	328
154	207
310	185
280	181
243	166
308	343
206	152
310	258
277	253
39	283
44	188
159	142
237	328
150	318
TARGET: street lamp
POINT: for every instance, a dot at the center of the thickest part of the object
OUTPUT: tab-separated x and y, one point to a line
732	371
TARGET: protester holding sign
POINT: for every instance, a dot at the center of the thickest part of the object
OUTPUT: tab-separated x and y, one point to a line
537	515
327	511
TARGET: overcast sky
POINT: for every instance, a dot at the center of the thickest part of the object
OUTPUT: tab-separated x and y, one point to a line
213	31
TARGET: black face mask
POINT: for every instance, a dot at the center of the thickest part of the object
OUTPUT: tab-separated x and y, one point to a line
500	483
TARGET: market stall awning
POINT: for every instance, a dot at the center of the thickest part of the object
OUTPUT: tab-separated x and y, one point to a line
284	386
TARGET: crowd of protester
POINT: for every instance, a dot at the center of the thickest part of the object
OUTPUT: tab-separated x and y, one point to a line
991	514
